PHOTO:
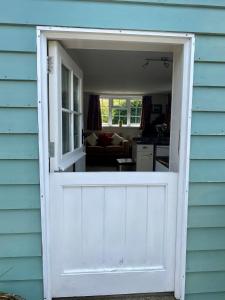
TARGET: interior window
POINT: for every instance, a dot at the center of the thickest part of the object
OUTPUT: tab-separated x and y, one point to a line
119	112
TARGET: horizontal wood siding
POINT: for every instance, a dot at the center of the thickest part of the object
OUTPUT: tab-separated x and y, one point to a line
206	225
20	222
117	15
19	180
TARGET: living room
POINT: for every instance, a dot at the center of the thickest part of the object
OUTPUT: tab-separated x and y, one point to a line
123	122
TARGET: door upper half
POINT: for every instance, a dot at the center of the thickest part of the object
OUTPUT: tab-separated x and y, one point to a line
65	109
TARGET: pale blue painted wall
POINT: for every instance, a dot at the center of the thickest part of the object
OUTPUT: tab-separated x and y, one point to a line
20	230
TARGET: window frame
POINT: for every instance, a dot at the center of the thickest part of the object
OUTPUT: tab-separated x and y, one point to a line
128	108
62	161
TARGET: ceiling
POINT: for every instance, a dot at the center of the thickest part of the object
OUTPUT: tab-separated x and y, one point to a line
122	72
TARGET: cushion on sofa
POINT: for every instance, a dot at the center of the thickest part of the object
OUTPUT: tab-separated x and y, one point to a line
92	139
117	139
104	139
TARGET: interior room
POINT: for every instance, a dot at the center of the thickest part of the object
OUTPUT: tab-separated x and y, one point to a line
123	122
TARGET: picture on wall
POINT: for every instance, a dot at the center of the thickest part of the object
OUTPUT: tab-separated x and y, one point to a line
157	108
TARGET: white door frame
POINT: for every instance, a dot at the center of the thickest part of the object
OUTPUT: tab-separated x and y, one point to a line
186	41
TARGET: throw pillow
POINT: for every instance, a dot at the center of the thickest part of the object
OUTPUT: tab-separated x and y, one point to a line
104	140
116	139
92	139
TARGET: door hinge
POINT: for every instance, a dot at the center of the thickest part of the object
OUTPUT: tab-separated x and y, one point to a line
51	149
50	64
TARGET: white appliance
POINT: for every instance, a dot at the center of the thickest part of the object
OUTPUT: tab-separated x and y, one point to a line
143	155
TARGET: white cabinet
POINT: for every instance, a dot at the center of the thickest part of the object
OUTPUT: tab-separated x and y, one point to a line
143	156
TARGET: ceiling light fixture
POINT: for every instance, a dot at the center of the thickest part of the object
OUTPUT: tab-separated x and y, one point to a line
165	60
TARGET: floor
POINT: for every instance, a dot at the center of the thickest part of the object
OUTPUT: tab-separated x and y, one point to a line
93	168
125	297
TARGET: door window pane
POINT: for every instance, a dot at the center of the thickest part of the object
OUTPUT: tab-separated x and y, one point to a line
104	104
76	131
65	87
75	93
135	111
120	102
119	116
65	132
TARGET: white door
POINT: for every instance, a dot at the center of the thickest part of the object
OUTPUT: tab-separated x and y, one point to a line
65	111
110	233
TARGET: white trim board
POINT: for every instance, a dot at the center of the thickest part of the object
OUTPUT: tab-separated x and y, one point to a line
171	40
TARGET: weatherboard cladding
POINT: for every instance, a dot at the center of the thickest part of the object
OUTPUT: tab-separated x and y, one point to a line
20	228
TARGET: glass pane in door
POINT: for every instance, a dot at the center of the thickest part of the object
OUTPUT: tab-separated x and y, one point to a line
66	132
75	93
76	131
65	87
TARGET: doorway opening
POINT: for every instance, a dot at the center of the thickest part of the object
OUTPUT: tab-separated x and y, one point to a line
96	213
110	110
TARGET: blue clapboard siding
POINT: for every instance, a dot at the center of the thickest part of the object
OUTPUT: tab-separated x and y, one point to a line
206	193
208	123
31	289
215	50
20	225
204	261
209	99
208	216
207	170
200	239
20	146
18	66
23	268
20	38
200	282
113	14
18	124
19	172
20	245
20	221
209	74
18	120
18	93
204	296
208	147
28	196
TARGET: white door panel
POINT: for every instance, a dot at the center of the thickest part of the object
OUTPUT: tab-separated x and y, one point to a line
113	238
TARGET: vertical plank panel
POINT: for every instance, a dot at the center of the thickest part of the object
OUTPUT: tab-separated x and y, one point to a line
92	223
136	220
72	229
156	223
114	226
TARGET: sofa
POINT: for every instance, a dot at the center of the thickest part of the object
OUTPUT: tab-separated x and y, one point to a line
105	151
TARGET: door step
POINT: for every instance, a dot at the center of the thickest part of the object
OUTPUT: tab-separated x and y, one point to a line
160	296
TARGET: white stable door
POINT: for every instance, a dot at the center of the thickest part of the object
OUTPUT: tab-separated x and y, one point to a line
110	233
